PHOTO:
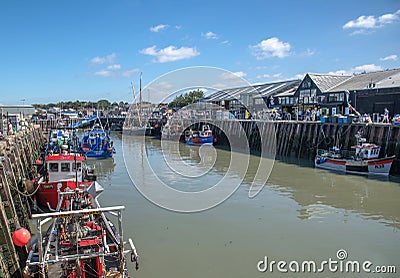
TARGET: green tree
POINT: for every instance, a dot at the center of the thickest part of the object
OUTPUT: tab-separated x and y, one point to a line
186	99
105	104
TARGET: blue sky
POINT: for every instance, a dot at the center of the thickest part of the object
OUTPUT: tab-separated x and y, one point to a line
54	51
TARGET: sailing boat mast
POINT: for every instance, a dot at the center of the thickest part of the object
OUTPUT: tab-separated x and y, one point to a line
140	100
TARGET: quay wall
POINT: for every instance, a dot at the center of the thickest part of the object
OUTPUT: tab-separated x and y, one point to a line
18	154
301	139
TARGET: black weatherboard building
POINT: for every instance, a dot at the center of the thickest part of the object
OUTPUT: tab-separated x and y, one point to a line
372	92
330	94
312	93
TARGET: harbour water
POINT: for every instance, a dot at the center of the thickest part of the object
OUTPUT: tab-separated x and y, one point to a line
301	214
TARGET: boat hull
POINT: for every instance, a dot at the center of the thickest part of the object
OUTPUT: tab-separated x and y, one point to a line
380	166
99	154
200	140
47	193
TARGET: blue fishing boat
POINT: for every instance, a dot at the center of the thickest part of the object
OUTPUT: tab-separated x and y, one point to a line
200	137
61	139
97	143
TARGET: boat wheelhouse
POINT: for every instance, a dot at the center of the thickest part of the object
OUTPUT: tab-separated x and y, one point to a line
97	143
66	171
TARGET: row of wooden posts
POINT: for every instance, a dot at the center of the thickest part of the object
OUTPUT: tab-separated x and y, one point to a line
301	139
18	154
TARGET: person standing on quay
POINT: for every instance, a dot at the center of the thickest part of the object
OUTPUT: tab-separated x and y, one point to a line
386	116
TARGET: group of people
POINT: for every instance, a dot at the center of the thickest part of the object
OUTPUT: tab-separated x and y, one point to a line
309	115
366	118
10	129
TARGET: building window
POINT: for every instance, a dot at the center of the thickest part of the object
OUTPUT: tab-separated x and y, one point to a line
322	99
336	97
314	93
333	98
258	101
306	84
245	99
305	93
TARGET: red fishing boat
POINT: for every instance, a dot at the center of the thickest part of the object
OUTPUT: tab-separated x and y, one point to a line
80	242
63	172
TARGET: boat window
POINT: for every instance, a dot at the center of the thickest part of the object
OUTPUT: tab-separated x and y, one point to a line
53	167
79	166
65	167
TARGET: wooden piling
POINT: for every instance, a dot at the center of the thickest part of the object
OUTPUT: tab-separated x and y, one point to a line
18	153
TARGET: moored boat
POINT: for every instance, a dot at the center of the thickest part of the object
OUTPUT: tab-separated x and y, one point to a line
97	143
200	137
363	160
81	241
61	172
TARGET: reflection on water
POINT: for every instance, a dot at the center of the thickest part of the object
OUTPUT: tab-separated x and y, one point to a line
301	213
104	168
318	191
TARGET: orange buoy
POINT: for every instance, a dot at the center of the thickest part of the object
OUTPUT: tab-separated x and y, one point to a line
21	237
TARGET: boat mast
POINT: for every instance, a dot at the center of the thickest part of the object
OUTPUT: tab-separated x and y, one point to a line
140	100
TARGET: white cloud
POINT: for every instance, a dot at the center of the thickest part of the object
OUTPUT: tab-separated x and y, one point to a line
158	28
367	68
298	76
232	75
390	57
210	35
371	22
266	75
260	67
114	67
339	72
358	69
226	42
105	73
309	52
109	59
129	73
361	22
170	53
271	47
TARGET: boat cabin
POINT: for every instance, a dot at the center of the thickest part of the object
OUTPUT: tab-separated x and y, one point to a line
205	131
367	151
62	167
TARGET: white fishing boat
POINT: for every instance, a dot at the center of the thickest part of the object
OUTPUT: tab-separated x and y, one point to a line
363	160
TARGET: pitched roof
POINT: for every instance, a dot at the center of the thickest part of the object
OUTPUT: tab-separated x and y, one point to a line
326	81
378	79
262	90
